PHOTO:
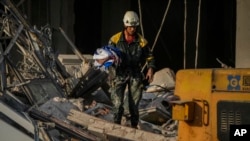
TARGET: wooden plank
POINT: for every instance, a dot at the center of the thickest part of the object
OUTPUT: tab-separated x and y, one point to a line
108	129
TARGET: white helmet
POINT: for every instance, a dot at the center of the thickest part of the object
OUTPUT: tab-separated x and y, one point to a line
131	19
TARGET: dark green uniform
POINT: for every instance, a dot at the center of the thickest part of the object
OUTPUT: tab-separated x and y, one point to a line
128	73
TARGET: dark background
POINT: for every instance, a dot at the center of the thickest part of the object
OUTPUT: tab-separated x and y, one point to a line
90	23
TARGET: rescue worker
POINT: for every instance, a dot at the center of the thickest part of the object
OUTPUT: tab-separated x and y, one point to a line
135	52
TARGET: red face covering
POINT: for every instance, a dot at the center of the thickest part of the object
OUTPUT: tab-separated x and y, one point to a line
130	33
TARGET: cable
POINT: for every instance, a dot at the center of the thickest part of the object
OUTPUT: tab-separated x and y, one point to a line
140	15
162	22
185	34
197	35
159	31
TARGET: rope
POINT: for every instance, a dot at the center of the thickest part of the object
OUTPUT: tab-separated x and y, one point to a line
197	35
140	15
162	22
159	31
185	34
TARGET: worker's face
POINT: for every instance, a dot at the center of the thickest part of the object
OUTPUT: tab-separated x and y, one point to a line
131	30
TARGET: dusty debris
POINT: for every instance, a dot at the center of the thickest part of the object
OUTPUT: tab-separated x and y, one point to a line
108	129
50	101
164	79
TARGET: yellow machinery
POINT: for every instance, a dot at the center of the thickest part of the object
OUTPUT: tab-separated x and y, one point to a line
210	101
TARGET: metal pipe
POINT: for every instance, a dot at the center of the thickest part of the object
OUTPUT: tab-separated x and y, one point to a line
73	47
12	42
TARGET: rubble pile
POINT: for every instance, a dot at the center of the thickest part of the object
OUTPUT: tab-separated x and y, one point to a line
42	99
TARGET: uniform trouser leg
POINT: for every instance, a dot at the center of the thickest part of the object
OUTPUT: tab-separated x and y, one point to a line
117	96
134	97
